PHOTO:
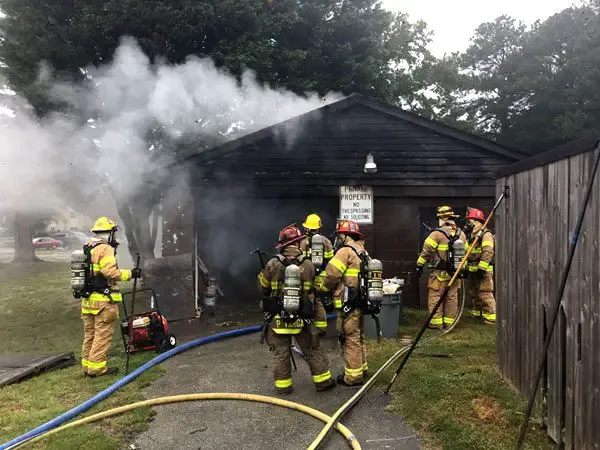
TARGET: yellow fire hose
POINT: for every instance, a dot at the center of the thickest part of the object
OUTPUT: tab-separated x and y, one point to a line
350	438
408	349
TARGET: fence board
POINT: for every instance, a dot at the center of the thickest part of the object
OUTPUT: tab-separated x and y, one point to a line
533	229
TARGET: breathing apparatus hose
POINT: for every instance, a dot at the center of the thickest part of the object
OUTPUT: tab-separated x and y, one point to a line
559	295
406	351
350	438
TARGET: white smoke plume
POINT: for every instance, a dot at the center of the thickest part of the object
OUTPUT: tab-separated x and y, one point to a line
103	135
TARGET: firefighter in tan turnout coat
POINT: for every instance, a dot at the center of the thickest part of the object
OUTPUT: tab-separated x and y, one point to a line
313	225
435	251
277	293
342	275
481	268
100	310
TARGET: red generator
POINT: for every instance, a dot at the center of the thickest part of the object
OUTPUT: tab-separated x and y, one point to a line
146	330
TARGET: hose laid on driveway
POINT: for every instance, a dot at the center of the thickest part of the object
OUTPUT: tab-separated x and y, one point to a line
57	421
406	351
350	438
125	380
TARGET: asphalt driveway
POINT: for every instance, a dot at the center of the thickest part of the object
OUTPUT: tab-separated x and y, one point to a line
242	365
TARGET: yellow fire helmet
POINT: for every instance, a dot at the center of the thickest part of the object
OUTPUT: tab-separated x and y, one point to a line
104	224
313	222
445	212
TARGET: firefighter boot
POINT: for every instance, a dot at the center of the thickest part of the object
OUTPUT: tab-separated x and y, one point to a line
341	381
325	385
284	391
109	371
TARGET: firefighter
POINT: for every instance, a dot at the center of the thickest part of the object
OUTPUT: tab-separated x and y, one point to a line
100	310
283	322
481	268
436	251
312	225
470	280
342	275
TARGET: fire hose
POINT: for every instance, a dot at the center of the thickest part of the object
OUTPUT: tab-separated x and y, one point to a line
350	438
331	421
405	351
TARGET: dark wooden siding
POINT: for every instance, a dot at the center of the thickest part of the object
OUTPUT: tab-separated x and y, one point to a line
331	149
267	183
533	233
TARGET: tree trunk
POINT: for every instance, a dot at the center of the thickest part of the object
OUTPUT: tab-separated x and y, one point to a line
23	231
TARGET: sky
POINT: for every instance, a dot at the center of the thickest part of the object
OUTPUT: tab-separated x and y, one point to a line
455	21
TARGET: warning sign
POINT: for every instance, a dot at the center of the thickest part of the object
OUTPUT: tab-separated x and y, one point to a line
356	203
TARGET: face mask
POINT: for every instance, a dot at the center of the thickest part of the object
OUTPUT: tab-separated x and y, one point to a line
112	240
469	225
339	242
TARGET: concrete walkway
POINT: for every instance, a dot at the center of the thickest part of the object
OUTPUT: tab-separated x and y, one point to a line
243	365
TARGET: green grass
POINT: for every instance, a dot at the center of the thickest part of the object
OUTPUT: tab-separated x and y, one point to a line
38	315
456	402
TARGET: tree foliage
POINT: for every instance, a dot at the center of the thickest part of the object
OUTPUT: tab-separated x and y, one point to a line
311	45
532	88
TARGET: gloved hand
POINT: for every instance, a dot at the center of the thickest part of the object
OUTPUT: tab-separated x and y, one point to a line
481	274
419	270
136	273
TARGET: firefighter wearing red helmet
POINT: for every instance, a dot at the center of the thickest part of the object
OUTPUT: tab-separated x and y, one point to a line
287	293
481	268
436	251
342	276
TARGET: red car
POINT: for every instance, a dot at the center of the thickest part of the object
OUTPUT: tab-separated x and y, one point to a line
46	242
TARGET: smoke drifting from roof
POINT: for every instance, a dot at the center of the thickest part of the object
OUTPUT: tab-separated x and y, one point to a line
125	120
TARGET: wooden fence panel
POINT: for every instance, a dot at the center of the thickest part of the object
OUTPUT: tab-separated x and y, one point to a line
533	231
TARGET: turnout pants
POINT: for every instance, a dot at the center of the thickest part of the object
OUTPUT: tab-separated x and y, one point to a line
97	337
446	313
353	345
471	284
320	315
485	297
281	346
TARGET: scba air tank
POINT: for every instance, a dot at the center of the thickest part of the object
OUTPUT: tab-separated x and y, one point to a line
375	281
317	248
77	272
458	252
292	289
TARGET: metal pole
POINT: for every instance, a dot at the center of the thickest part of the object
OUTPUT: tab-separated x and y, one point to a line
137	266
561	290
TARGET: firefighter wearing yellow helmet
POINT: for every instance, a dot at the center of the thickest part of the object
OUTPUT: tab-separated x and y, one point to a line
320	250
438	250
100	300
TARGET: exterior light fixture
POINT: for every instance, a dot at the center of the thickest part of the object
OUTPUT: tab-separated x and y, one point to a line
370	166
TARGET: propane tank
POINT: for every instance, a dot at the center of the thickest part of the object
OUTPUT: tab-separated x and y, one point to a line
292	287
317	247
78	264
210	295
375	281
458	252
